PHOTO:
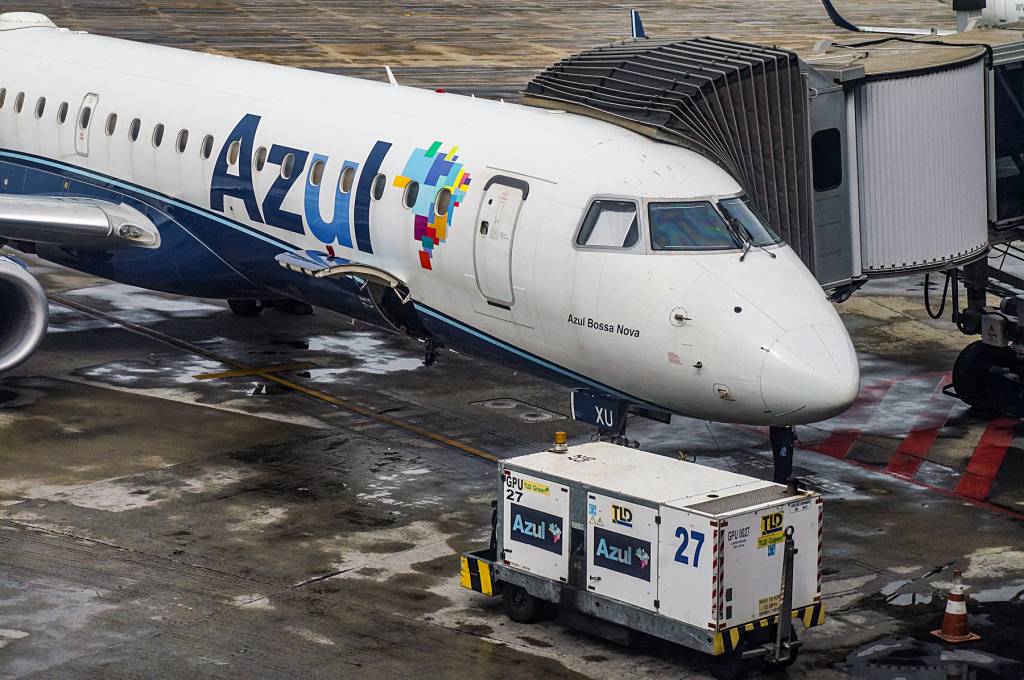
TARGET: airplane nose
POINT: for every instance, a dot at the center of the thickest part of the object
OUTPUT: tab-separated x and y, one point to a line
810	374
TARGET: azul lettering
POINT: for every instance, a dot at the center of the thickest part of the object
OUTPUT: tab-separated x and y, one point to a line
594	324
529	528
233	177
613	552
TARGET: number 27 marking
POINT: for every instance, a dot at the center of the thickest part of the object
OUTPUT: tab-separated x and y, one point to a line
680	553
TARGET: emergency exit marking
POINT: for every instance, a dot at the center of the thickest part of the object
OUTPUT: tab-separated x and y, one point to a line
698	537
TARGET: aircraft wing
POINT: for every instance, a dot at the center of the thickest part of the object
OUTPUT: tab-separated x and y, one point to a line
76	222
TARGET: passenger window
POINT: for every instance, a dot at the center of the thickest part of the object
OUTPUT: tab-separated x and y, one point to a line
260	159
443	203
134	129
182	142
827	159
379	183
111	124
158	135
610	224
316	173
412	192
206	148
62	113
287	166
233	152
3	96
689	226
348	177
19	102
40	107
84	118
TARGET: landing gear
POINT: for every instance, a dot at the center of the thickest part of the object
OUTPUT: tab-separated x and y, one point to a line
246	307
431	348
783	440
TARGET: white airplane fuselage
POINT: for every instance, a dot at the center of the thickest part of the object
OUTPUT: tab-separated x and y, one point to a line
700	333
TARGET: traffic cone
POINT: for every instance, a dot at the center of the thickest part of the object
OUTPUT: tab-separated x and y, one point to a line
954	623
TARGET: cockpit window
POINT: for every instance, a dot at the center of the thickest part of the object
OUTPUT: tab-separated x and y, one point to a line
694	225
742	211
610	224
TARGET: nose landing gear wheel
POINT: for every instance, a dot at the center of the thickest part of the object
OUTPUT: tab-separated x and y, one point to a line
246	307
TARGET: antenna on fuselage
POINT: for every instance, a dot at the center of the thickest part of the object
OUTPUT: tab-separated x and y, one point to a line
391	76
636	26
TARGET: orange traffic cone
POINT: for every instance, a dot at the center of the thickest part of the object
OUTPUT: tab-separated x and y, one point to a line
954	623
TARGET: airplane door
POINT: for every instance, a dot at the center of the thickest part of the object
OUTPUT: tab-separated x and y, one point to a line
84	123
495	232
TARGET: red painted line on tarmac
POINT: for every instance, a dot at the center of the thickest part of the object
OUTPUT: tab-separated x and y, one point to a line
919	441
839	443
988	456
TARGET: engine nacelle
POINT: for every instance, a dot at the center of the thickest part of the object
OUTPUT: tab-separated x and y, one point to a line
24	313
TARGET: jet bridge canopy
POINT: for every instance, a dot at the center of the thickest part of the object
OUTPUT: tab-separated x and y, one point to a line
743	106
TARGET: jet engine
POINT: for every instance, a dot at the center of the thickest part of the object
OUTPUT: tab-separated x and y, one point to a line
23	313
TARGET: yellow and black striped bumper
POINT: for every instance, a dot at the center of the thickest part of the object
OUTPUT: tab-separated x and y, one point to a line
728	640
476	575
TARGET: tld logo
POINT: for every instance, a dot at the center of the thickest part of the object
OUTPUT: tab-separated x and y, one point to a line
622	515
771	523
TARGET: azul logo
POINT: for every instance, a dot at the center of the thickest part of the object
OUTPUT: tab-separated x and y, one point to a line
534	527
443	183
624	554
622	515
232	176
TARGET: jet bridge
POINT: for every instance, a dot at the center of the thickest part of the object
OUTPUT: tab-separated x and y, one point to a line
844	155
874	157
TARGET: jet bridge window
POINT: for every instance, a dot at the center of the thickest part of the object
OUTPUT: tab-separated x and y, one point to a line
694	225
610	224
742	211
827	159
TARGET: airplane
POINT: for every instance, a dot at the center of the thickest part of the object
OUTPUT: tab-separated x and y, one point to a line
634	271
970	14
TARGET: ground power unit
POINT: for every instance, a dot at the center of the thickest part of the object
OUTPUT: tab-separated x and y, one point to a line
616	540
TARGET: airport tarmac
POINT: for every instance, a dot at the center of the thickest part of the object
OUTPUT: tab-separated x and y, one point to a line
186	493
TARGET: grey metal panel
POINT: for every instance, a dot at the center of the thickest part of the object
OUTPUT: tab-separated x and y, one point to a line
835	262
1008	53
922	178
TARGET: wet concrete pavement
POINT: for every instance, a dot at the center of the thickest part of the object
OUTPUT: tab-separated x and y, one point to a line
159	522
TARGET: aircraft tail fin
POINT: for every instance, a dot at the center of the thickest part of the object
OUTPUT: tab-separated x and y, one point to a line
636	25
837	18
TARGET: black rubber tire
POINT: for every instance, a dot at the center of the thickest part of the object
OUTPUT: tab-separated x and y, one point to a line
731	666
246	307
971	367
520	606
783	665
